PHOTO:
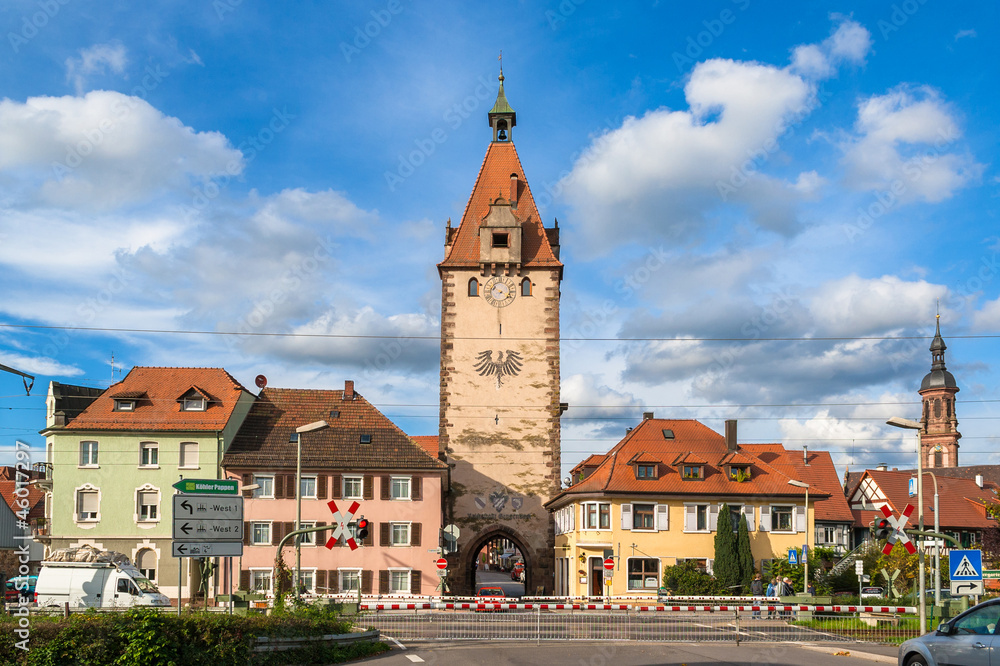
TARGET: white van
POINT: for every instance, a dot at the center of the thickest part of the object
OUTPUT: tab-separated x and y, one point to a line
95	585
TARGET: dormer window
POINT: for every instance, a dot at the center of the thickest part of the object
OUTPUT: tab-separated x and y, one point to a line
193	404
124	405
739	473
645	471
501	239
692	471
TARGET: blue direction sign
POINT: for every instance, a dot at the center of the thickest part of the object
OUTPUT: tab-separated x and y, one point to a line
966	564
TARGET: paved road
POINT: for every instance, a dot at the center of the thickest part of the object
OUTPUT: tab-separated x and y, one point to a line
493	578
585	653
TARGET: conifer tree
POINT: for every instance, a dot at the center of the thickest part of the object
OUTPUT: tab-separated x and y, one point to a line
727	565
744	554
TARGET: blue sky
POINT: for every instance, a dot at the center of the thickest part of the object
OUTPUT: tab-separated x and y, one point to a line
761	204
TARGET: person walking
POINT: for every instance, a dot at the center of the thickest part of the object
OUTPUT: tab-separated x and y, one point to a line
771	591
757	590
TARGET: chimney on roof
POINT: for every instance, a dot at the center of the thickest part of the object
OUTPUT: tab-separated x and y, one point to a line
513	190
647	415
979	480
882	467
805	455
730	434
349	389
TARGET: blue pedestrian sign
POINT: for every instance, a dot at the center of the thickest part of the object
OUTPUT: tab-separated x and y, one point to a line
966	564
793	556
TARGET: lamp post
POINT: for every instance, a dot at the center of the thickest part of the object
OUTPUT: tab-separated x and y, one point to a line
299	432
805	556
907	424
937	543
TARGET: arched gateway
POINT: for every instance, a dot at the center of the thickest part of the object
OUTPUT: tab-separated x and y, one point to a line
491	535
499	419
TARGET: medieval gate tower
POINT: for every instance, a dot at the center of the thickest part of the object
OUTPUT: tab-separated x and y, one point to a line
499	420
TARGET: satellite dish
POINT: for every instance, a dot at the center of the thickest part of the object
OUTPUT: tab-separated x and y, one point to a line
260	381
568	481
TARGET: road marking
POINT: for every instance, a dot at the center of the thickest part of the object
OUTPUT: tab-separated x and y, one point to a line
400	645
414	658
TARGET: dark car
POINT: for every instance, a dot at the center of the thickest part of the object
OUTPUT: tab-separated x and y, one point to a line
20	586
968	639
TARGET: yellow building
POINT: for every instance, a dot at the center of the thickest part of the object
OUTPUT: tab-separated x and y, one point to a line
653	501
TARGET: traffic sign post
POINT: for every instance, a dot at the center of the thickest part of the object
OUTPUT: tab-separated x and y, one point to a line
207	525
897	533
609	564
966	572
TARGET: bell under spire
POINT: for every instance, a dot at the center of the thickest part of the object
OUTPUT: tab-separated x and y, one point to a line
502	117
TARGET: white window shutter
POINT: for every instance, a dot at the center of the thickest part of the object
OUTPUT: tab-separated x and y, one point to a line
710	566
626	516
662	517
690	518
765	519
748	511
800	519
713	517
572	520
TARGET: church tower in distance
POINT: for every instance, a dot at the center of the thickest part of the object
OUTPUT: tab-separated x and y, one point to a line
939	433
499	411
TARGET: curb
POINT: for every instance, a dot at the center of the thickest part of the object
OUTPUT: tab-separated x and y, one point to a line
870	656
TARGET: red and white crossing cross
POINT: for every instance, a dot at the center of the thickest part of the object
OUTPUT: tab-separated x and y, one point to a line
339	524
897	529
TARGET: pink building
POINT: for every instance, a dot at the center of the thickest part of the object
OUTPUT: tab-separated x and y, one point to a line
359	456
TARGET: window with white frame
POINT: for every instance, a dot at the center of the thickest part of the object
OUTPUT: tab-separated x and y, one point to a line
124	405
565	519
643	573
700	517
266	488
189	455
145	562
643	516
148	503
354	487
307	581
87	504
260	533
194	403
399	534
149	454
88	454
399	581
351	532
260	580
350	580
781	519
308	487
309	538
400	488
596	515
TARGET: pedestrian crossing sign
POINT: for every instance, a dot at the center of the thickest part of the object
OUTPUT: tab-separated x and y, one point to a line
793	556
966	564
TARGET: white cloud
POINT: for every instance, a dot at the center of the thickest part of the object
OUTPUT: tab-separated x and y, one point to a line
39	366
857	306
102	151
905	143
965	33
988	317
97	59
850	42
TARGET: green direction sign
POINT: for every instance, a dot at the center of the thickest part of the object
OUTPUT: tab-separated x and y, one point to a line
991	573
208	486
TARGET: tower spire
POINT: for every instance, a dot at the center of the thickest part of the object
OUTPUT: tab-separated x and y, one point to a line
502	117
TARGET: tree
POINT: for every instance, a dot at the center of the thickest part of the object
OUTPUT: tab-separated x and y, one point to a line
686	579
727	564
744	555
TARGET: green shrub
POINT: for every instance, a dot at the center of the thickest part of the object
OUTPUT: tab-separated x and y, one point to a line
685	579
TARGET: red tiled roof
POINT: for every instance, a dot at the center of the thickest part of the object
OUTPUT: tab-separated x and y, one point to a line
593	460
159	409
494	180
428	443
263	441
35	497
959	500
644	457
736	458
770	471
822	474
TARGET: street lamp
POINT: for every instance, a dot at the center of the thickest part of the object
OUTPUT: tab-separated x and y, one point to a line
937	544
301	430
805	556
907	424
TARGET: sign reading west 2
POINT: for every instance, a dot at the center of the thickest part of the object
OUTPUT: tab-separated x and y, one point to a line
208	486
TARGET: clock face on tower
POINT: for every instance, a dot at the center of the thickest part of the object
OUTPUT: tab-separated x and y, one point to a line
499	292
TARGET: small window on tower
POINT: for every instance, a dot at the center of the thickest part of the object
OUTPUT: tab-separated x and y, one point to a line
473	287
526	287
501	240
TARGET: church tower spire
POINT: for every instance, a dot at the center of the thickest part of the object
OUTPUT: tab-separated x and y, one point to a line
502	118
939	432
